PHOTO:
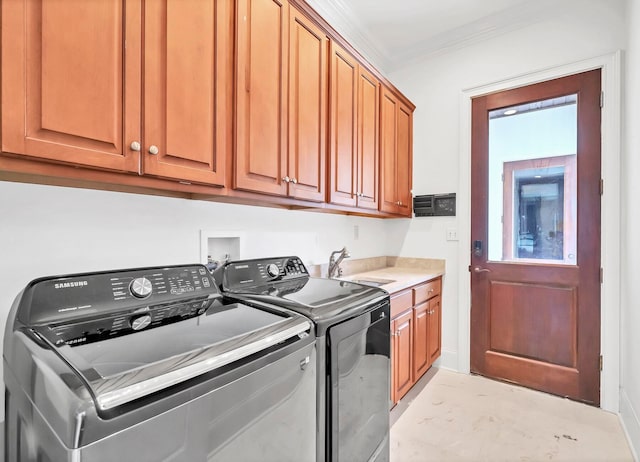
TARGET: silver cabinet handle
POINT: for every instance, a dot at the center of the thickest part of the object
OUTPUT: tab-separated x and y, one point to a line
286	179
153	149
135	146
477	269
294	180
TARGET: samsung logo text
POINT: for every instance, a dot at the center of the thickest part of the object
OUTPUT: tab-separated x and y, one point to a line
66	285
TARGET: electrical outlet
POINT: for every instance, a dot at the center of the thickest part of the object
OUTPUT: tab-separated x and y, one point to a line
356	232
452	234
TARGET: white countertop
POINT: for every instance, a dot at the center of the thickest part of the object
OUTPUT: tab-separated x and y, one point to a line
402	277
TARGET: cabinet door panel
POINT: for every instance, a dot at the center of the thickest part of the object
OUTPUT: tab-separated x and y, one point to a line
261	96
343	156
435	329
307	108
368	153
63	88
404	354
404	159
388	138
187	48
420	339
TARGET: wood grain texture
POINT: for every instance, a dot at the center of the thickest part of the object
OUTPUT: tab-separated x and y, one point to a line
403	350
343	127
187	83
63	87
532	323
368	156
261	96
308	79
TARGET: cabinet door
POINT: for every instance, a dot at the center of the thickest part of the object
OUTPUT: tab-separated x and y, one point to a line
388	147
368	153
435	329
188	51
261	96
64	70
307	108
421	316
342	138
404	159
403	340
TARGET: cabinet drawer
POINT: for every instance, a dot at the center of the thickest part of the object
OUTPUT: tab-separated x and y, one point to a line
426	291
401	302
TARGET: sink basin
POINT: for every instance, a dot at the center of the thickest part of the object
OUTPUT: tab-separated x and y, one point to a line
373	282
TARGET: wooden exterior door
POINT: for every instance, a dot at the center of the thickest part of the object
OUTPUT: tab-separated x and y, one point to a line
307	108
64	69
261	96
535	312
188	76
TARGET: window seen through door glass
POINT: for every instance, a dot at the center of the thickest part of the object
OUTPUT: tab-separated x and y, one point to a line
532	182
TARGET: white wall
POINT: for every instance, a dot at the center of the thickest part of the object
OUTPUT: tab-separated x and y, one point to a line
436	85
630	340
48	230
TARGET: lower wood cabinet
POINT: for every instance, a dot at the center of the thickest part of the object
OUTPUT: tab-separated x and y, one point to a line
415	334
402	352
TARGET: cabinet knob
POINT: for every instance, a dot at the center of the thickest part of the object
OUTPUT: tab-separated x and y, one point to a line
286	179
153	149
135	146
294	180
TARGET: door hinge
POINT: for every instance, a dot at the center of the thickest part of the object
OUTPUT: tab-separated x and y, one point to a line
469	268
600	362
601	99
601	275
601	186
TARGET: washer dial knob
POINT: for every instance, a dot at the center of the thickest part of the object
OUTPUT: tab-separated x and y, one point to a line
140	322
141	287
273	270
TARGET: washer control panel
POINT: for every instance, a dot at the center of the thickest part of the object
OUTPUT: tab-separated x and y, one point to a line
239	275
81	308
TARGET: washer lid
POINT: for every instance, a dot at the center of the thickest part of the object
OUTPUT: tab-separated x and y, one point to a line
125	368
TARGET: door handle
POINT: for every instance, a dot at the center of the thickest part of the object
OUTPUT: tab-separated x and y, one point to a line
477	269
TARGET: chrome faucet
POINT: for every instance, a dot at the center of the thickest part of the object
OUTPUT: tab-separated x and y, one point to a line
334	263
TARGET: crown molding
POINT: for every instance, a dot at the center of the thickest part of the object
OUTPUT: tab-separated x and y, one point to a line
342	18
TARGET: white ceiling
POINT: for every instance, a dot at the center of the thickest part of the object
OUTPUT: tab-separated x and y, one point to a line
393	33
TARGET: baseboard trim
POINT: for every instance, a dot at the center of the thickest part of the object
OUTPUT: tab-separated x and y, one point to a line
448	360
630	423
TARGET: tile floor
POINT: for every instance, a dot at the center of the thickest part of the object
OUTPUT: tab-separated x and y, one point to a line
456	417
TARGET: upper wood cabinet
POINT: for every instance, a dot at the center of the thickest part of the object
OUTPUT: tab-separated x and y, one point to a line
396	144
308	72
72	85
354	130
188	78
70	93
281	101
261	96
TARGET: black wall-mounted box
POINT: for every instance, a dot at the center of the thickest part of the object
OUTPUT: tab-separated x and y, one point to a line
435	205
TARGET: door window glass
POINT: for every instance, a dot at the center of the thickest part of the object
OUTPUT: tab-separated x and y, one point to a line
532	182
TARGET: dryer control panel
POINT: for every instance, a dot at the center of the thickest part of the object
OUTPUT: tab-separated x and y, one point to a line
243	274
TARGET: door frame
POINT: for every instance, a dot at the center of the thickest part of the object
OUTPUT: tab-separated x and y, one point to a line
610	66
